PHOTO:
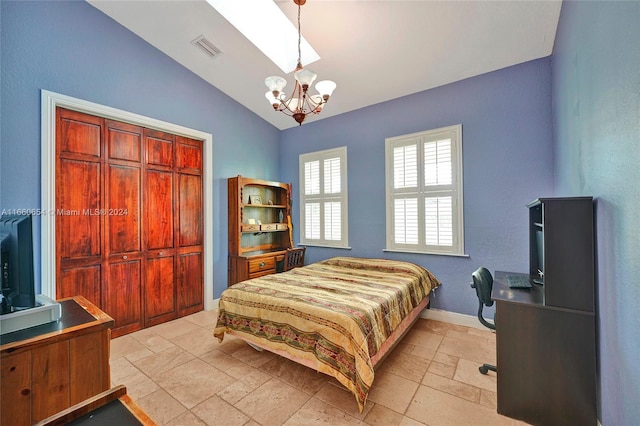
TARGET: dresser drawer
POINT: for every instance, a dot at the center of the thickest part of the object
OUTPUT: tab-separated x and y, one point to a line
262	273
262	264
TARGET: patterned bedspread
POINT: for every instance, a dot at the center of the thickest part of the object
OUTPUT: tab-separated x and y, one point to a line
334	315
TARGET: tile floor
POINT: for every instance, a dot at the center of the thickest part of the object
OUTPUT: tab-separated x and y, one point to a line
180	375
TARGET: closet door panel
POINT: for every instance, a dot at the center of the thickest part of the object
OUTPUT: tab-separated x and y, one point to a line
158	209
78	232
190	278
159	288
190	210
81	281
78	133
124	295
125	141
123	211
123	208
188	155
159	148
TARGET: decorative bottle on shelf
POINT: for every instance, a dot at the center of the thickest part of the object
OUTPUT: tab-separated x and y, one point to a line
281	216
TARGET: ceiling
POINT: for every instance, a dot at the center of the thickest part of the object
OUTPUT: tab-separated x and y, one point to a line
374	50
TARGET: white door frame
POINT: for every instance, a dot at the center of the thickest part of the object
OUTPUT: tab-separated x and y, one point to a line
49	102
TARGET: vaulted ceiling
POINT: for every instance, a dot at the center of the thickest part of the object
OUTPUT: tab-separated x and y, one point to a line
374	50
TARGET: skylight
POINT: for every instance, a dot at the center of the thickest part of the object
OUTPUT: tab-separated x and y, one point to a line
263	23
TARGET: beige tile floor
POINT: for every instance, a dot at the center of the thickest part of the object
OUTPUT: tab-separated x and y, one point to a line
180	375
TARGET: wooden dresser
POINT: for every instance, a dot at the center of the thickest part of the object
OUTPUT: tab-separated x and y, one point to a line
48	368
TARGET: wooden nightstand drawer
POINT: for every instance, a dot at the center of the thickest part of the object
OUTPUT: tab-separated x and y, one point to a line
262	264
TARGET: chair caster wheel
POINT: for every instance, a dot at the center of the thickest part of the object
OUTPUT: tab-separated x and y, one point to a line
483	369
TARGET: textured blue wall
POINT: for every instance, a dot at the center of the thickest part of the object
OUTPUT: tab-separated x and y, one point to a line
73	49
596	113
508	162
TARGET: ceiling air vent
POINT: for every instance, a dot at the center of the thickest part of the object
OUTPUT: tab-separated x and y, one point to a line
206	46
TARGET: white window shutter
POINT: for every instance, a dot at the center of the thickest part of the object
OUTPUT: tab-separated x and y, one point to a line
312	178
405	166
323	198
438	221
332	176
424	192
332	221
406	221
312	220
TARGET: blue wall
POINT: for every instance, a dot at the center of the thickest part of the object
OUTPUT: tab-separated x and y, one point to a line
508	162
73	49
596	115
511	154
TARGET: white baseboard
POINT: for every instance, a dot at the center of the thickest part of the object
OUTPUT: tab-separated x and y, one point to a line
213	305
452	318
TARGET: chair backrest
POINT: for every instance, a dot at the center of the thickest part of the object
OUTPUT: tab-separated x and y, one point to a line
483	283
294	257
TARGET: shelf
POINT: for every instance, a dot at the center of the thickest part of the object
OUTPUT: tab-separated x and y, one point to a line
265	227
264	206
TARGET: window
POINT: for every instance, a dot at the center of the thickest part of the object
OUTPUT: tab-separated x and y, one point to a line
323	198
424	192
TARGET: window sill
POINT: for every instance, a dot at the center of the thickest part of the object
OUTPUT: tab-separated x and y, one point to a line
324	246
437	253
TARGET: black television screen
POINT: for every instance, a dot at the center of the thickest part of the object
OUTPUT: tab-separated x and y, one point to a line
18	286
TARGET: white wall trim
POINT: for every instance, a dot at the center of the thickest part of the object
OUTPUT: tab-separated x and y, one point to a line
453	318
49	102
214	305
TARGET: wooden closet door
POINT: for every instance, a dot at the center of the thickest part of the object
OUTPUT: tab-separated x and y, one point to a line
129	226
159	234
190	226
123	215
79	192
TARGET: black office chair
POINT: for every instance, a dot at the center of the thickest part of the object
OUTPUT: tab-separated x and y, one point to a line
294	258
483	283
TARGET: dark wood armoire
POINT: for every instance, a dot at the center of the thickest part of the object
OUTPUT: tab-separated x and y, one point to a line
129	219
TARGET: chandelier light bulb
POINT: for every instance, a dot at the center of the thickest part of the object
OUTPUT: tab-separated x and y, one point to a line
325	88
275	84
275	103
305	78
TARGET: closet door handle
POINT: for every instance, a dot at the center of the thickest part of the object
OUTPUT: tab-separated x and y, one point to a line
124	257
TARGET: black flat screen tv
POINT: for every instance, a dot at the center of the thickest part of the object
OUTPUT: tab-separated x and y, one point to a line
16	263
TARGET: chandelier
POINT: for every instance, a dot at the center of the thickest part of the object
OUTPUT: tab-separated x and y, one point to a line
300	102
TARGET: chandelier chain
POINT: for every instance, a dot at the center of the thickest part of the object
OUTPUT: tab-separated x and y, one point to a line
299	37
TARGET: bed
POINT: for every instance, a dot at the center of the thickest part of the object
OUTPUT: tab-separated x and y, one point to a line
340	316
